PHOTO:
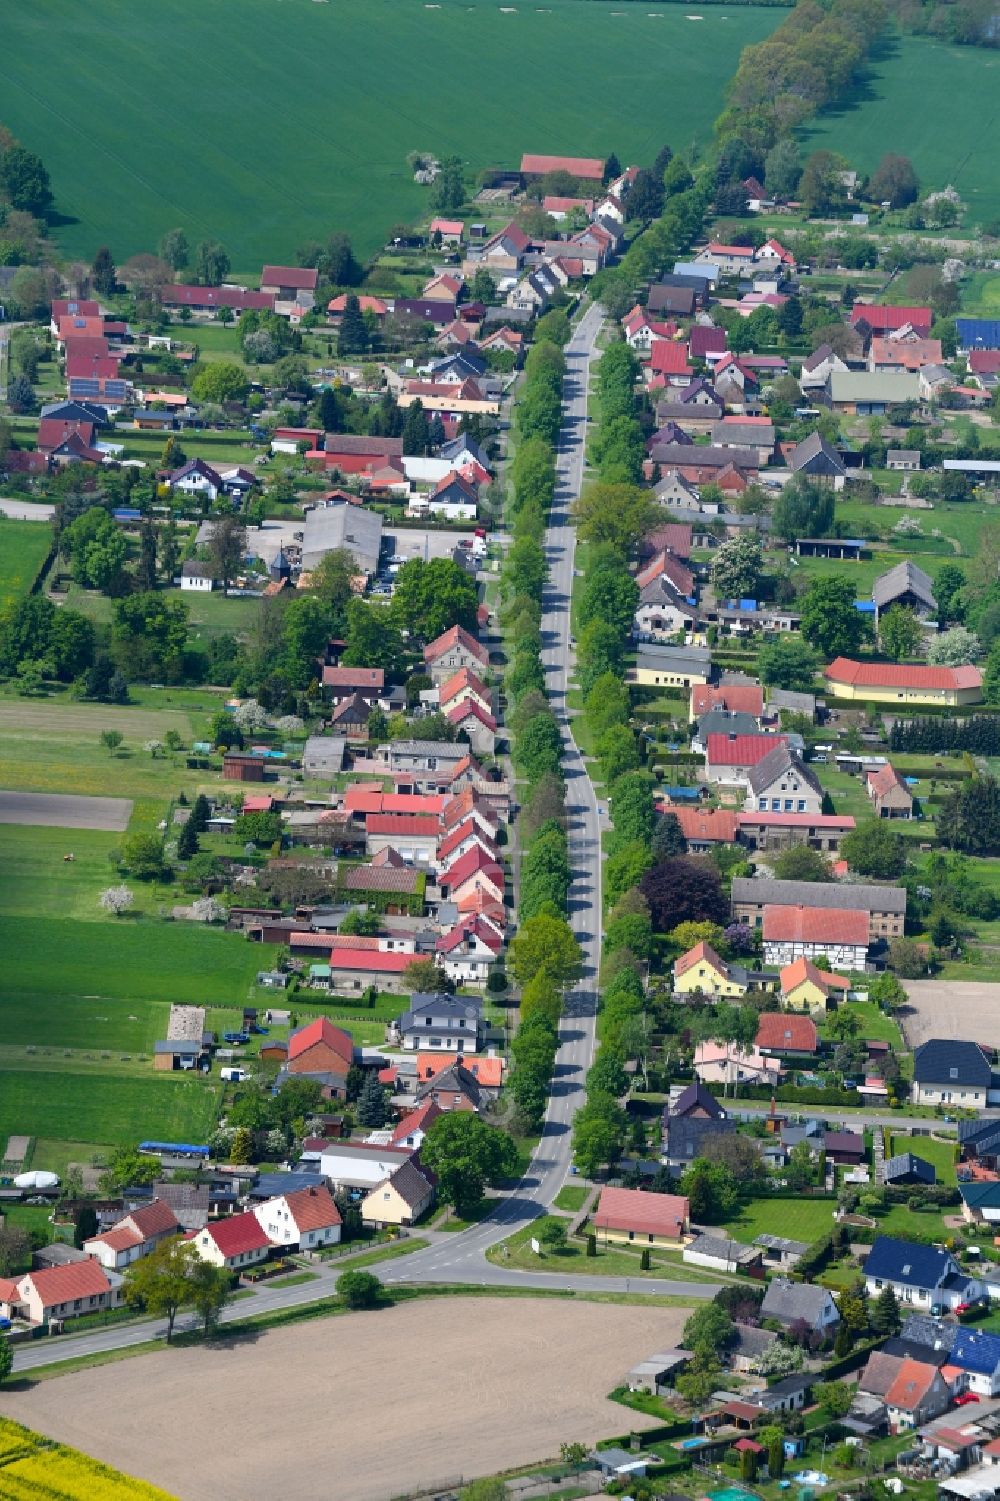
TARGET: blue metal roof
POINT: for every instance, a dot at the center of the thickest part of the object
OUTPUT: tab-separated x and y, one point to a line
978	333
976	1350
907	1263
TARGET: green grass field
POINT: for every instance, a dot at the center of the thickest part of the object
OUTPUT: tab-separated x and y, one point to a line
276	105
912	88
799	1219
75	1107
24	546
940	1153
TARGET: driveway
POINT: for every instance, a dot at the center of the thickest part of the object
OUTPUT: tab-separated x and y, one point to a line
57	810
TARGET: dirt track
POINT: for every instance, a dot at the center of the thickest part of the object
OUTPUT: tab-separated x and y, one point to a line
65	811
955	1008
363	1407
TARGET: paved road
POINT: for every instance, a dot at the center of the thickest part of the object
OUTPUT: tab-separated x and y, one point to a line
66	811
25	510
460	1256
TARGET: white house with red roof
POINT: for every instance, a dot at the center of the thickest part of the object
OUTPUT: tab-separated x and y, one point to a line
839	935
235	1243
458	841
477	724
59	1292
474	872
134	1236
469	950
730	259
353	969
730	757
307	1219
642	332
773	253
411	1130
454	649
414	836
451	231
465	686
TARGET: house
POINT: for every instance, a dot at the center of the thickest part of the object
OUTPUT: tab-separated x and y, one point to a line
806	988
779	831
977	333
781	1252
656	1373
917	1394
454	1088
906	1168
197	578
889	792
400	1199
730	757
701	971
670	666
818	368
437	1020
343	682
55	1294
844	1147
947	1071
792	1303
319	1048
685	1137
979	1142
587	168
290	284
353	969
476	724
197	478
486	1069
695	1102
412	836
134	1236
235	1243
885	905
981	1202
453	650
703	828
906	353
305	1219
791	933
342	526
889	683
351	453
411	1130
921	1276
903	460
720	1254
749	1347
786	1036
819	461
729	1063
905	585
781	782
865	393
878	319
469	950
475	872
977	1353
631	1215
787	1395
735	698
730	259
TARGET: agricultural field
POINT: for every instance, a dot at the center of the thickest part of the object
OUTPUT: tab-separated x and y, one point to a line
911	88
24	546
34	1469
108	1110
142	98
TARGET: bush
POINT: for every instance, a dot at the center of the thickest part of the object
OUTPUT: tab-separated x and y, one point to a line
359	1289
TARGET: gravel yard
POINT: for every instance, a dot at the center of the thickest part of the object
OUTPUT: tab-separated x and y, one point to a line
969	1009
362	1407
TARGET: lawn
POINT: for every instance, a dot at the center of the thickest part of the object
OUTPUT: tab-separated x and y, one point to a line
117	1110
24	546
610	1261
911	87
283	159
798	1219
940	1153
572	1197
36	881
875	1025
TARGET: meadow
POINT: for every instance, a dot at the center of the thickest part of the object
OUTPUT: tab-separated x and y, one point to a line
113	1110
276	105
24	546
908	105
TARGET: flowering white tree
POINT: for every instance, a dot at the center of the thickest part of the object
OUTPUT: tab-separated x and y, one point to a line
290	724
116	899
155	748
207	909
250	716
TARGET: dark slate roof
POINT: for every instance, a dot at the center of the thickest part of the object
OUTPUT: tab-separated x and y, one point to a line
817	453
273	1185
907	1263
935	1334
977	1133
778	763
946	1060
914	1349
908	1165
904	578
696	1096
687	1134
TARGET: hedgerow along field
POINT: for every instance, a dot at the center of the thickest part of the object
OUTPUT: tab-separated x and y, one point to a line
264	125
24	546
933	103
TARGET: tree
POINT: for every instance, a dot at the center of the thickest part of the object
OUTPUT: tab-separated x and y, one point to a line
359	1289
111	740
208	1292
800	863
484	288
783	168
425	976
645	196
431	597
969	818
20	395
221	382
701	1378
15	1250
709	1327
803	509
372	1107
160	1282
6	1358
227	545
175	250
142	855
895	181
736	567
954	648
211	263
552	1233
448	188
353	336
900	633
884	1313
545	945
801	1169
103	273
787	663
466	1154
116	900
24	181
830	620
836	1397
683	888
875	849
618	515
948	588
711	1191
598	1135
821	186
668	838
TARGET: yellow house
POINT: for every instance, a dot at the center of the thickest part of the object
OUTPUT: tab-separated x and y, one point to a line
891	683
806	988
701	969
659	666
644	1219
399	1199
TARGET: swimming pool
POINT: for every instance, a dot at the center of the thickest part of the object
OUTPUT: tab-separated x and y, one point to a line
812	1477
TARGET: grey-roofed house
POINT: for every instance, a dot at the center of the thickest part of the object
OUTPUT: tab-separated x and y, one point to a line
787	1395
684	1136
424	755
683	456
783	783
800	1303
905	585
655	1373
721	1254
779	1251
354	528
885	905
671	666
866	393
750	1346
818	460
906	1168
452	1023
792	702
323	755
903	460
950	1071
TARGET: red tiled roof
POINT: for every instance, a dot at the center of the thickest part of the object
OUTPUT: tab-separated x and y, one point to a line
645	1213
674	536
300	278
353	677
892	675
156	1218
475	862
884	779
702	953
461	832
780	1033
312	1208
85	367
365	304
589	167
667	358
453	637
914	1380
716	824
842	821
64	1284
738	698
461	680
800	970
486	1071
369	962
741	750
403	825
815	925
879	317
321	1029
467	706
238	1234
704	340
121	1238
82	307
417	1120
53	430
